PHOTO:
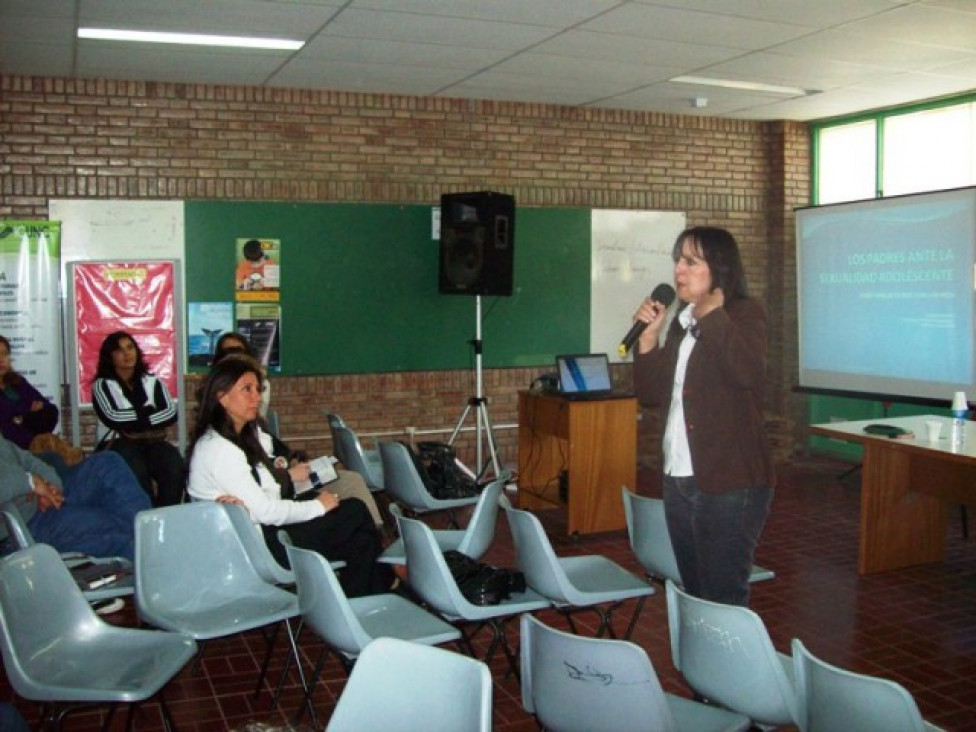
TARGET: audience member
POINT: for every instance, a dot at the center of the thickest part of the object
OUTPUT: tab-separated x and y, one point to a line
24	411
228	462
91	510
349	484
136	407
234	342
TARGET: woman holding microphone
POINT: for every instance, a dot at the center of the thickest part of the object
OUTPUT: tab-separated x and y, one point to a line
708	377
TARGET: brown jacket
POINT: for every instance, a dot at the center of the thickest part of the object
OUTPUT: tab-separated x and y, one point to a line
723	395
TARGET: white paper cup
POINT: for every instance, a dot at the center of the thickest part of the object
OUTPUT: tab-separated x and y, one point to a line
959	403
933	429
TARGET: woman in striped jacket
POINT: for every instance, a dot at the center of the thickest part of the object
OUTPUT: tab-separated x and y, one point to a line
136	408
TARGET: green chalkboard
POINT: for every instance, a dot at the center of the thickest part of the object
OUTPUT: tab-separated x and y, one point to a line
359	285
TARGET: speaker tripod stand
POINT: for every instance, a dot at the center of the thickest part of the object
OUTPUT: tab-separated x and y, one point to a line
479	405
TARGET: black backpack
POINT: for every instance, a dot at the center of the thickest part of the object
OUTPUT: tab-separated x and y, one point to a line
482	584
437	466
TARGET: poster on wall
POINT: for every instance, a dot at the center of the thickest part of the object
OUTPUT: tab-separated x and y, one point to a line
260	323
29	306
206	322
258	274
137	297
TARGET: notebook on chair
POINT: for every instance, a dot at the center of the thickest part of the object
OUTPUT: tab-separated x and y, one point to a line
586	376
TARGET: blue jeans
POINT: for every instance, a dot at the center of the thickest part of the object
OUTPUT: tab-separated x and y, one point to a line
101	500
714	536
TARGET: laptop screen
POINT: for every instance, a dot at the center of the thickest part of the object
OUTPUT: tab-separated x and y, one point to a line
583	373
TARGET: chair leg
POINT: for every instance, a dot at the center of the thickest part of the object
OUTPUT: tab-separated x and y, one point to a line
634	617
287	667
301	673
498	639
270	641
168	723
314	679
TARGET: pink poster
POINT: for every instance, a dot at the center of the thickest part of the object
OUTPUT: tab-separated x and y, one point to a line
137	297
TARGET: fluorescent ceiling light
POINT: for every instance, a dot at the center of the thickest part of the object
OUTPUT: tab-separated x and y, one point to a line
747	85
189	39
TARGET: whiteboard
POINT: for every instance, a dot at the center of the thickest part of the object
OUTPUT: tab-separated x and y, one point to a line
100	229
630	255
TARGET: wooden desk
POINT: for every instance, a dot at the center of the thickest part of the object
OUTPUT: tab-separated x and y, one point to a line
595	442
905	488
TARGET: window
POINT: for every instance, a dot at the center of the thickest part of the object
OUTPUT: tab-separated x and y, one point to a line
847	162
928	150
925	148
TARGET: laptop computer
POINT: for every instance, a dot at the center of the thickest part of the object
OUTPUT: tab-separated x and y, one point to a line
586	376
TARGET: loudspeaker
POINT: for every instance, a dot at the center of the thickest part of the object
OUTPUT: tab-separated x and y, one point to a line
477	243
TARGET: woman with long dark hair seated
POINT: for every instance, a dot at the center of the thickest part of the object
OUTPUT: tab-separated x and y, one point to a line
228	462
136	407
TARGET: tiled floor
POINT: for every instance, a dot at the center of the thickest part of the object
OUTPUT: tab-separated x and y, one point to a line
916	626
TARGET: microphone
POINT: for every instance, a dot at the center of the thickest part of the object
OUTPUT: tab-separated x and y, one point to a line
663	294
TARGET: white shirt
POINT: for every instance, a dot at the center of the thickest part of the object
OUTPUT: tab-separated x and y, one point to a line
677	453
219	467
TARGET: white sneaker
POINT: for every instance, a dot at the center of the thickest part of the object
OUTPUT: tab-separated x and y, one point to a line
108	606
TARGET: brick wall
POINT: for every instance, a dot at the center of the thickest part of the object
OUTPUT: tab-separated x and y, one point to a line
63	138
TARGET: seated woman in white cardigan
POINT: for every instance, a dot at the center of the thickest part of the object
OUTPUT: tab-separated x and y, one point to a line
228	462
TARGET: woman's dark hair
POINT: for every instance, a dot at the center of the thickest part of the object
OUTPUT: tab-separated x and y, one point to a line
225	344
212	415
12	378
112	343
721	252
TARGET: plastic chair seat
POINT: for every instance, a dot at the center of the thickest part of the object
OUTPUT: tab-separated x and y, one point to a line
647	530
749	676
599	576
194	575
393	616
473	541
574	582
405	486
56	649
217	616
397	685
577	684
830	698
97	666
431	579
21	537
348	625
349	451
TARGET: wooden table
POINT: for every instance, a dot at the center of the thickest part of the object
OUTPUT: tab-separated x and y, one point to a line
906	486
594	442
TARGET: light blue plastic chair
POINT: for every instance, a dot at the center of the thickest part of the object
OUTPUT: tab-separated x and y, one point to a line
349	451
650	541
473	541
589	582
257	550
577	684
347	625
405	486
726	656
829	698
57	651
398	685
431	579
194	576
21	538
